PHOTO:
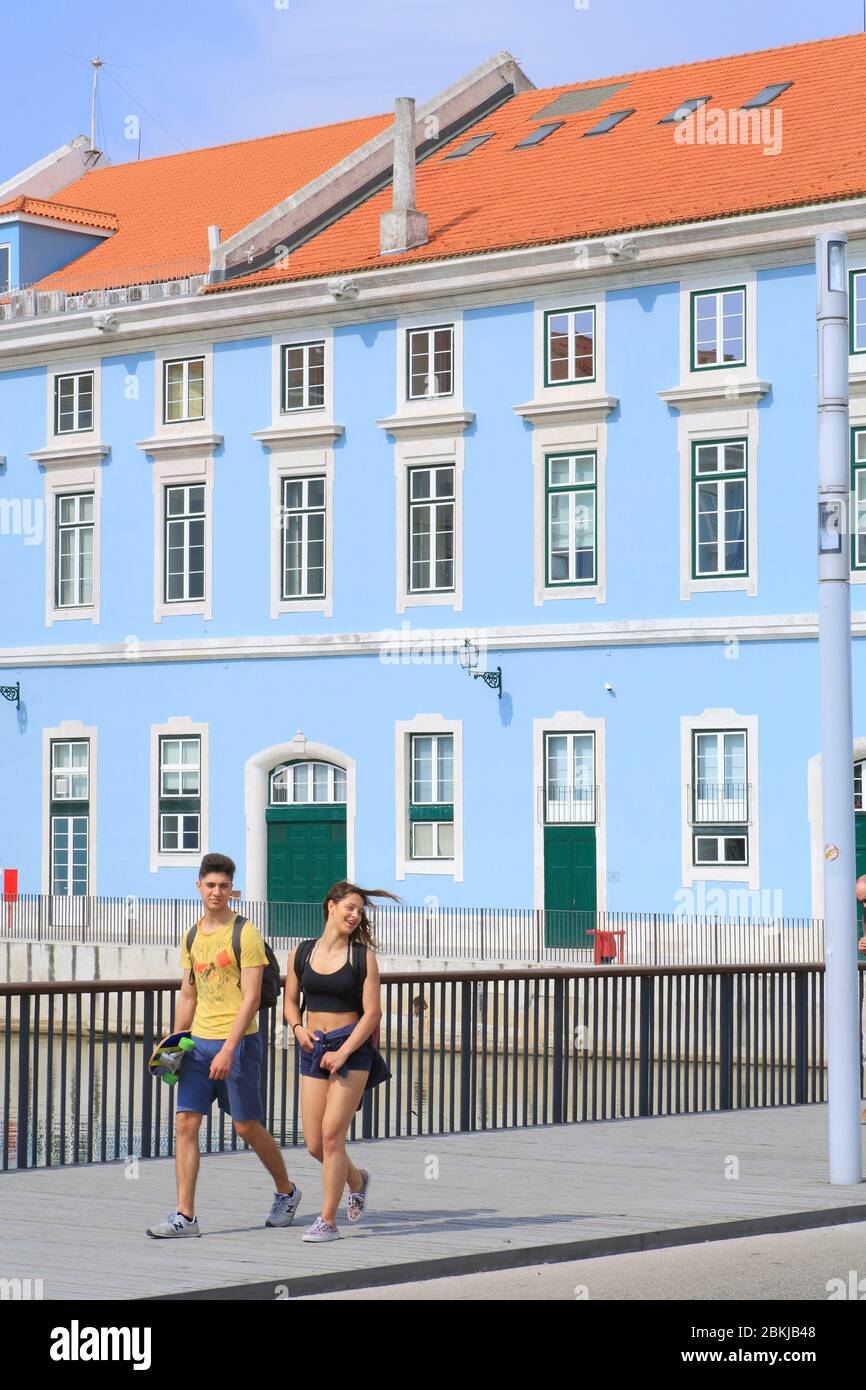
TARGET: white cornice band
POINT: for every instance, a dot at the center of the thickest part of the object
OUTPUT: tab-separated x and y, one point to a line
397	646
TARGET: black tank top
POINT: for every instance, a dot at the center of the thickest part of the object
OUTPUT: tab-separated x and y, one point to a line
331	994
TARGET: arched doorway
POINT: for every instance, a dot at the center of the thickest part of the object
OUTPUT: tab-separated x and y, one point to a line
300	812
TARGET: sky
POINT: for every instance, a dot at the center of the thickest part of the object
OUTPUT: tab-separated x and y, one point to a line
206	72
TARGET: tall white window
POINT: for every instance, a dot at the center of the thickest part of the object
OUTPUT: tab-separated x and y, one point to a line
69	816
179	795
720	509
570	497
74	550
183	392
303	532
720	797
431	529
431	800
184	542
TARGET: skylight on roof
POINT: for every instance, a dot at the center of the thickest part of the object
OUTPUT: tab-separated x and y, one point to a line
684	109
582	99
766	95
608	122
539	134
460	151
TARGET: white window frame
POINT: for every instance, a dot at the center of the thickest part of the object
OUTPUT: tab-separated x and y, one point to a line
300	463
718	378
431	330
570	722
570	491
415	453
308	763
7	247
180	817
584	438
705	426
303	343
181	472
432	504
720	720
179	726
70	731
404	729
178	430
575	295
185	518
571	798
717	294
306	512
77	528
429	405
185	364
719	480
76	375
546	365
63	479
291	336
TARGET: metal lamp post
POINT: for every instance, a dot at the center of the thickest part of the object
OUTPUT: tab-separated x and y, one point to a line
837	733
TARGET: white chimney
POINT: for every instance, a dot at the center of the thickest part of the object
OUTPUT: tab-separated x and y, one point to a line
403	227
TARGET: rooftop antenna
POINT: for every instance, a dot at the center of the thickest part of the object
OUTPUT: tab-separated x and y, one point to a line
96	64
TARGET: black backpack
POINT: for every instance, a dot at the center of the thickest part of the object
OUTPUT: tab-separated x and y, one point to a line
270	975
359	966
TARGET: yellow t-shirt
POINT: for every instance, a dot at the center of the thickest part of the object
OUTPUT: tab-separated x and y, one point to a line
218	979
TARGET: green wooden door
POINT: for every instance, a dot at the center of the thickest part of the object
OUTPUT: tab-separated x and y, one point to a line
569	884
306	854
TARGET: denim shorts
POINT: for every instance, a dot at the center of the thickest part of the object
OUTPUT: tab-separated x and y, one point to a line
360	1060
240	1095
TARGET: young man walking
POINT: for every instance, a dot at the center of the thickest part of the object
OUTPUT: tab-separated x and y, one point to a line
220	1008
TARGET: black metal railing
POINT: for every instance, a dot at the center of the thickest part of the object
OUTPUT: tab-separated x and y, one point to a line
719	803
489	1050
442	933
559	804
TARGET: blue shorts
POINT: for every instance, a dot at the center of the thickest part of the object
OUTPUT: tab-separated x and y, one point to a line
360	1060
239	1096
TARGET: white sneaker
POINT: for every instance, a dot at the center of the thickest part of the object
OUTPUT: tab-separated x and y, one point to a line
358	1200
173	1226
321	1231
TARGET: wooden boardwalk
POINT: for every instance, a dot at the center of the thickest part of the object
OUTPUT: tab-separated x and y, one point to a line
439	1205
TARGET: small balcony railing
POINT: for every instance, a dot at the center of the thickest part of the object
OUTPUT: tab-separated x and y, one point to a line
564	805
719	803
80	292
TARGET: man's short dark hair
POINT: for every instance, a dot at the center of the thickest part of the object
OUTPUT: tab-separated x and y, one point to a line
217	864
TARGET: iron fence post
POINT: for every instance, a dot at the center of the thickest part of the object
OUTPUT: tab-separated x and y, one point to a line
148	1043
801	1034
726	1042
558	1021
23	1079
645	1072
466	1054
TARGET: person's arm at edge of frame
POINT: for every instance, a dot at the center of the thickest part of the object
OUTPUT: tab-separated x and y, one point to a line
367	1023
251	990
292	1006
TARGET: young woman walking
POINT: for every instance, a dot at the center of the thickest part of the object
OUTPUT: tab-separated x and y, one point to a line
339	978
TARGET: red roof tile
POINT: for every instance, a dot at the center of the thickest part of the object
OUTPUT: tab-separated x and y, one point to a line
638	175
164	206
60	212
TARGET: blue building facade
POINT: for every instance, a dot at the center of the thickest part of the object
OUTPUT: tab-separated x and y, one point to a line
243	566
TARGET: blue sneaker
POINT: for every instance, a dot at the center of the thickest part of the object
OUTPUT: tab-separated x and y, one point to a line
282	1212
174	1226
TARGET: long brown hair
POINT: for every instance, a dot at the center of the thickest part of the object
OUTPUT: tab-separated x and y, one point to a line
364	930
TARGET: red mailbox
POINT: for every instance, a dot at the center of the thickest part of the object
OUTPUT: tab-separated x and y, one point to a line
10	885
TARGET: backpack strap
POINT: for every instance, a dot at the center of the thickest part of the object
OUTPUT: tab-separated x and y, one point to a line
190	938
303	951
359	965
237	931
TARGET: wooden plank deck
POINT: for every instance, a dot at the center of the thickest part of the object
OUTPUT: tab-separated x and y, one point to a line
504	1198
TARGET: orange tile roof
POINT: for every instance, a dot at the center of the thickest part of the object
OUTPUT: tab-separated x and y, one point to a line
164	206
60	212
635	176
